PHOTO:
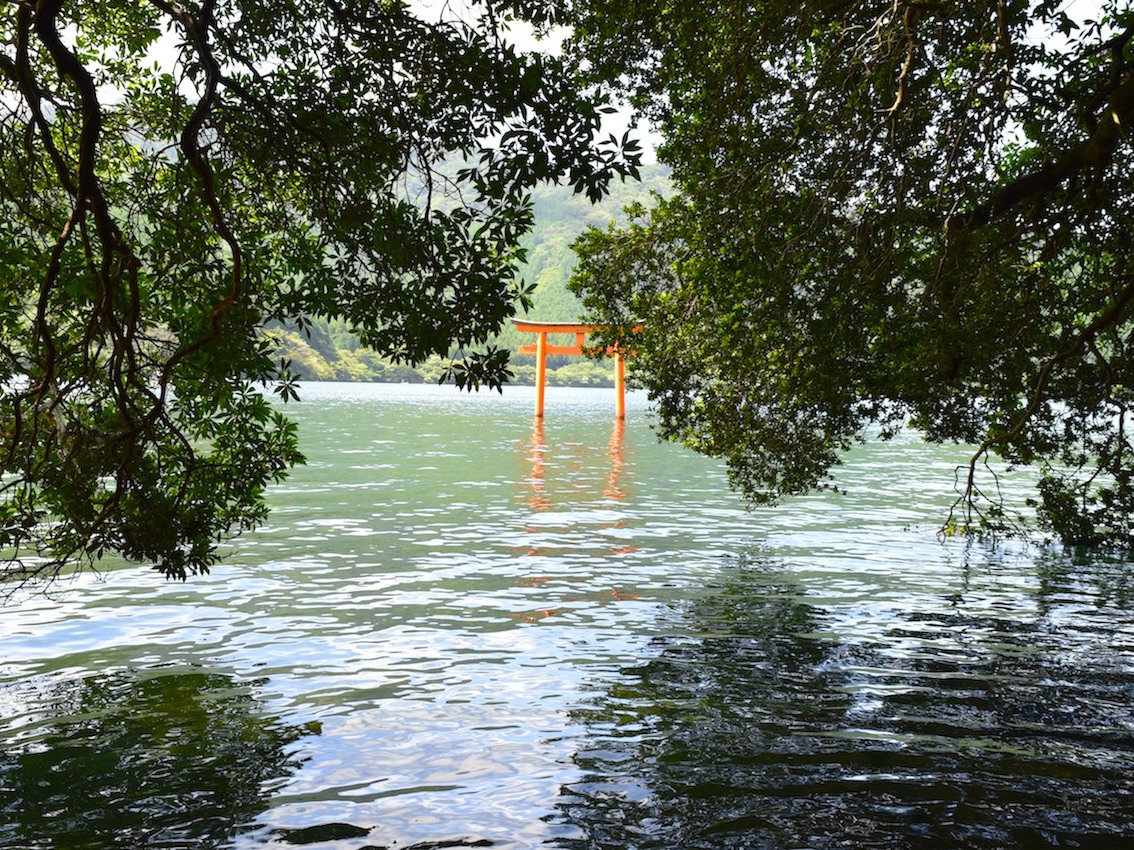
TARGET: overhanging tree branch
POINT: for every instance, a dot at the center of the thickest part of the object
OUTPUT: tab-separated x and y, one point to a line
138	272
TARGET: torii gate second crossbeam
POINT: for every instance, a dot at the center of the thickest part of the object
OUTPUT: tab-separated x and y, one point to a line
541	348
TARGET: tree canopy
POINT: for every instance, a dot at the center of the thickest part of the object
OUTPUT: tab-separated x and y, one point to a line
174	176
887	213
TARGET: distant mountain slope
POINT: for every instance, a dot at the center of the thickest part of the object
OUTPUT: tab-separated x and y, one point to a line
332	353
560	217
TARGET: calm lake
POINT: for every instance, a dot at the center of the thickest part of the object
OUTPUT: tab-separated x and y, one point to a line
459	630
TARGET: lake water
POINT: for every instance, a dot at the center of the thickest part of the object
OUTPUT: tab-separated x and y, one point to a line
460	630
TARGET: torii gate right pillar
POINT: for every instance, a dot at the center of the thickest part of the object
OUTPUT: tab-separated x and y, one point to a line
619	386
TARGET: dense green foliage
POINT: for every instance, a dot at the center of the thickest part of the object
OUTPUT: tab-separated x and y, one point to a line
885	213
283	160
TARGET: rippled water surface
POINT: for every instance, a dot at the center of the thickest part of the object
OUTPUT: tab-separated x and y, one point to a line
463	631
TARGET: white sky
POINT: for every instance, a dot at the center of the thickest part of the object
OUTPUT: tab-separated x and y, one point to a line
523	36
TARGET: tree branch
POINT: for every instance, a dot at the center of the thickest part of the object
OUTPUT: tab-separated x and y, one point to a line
1095	152
197	29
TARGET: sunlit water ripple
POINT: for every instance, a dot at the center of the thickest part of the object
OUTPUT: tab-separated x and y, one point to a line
460	630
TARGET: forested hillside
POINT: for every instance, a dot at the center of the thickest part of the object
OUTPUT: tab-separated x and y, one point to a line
328	351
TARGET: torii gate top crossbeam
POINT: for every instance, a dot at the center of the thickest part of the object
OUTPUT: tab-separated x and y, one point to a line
545	328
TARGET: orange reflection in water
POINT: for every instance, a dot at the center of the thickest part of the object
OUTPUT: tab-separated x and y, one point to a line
575	477
617	461
537	459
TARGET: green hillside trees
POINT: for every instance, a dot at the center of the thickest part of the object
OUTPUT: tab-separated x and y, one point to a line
327	350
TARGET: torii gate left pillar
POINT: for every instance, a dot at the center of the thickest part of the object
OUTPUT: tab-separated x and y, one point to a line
541	348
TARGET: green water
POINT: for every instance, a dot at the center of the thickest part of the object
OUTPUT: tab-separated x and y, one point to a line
459	631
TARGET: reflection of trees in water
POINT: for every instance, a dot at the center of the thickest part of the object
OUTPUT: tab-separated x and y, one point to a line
169	759
954	731
1107	576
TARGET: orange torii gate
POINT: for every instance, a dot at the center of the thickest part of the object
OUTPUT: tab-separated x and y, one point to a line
541	348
